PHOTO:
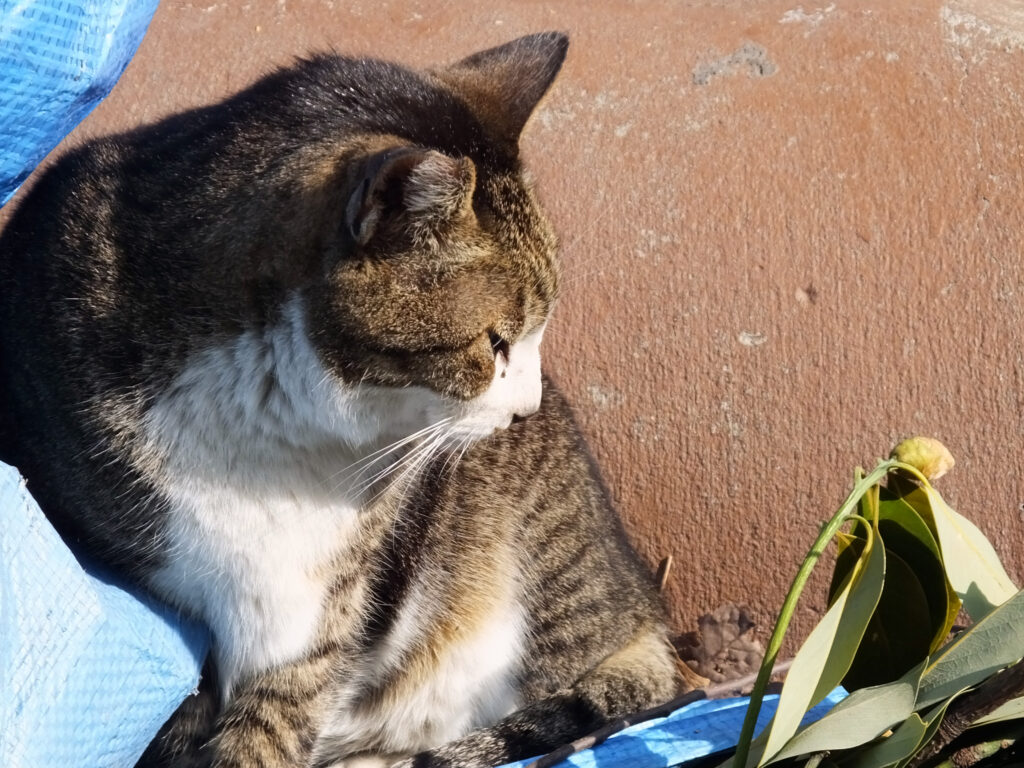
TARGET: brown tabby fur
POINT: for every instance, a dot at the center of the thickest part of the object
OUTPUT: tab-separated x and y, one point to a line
393	204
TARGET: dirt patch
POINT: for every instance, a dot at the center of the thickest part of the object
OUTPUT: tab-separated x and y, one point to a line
749	57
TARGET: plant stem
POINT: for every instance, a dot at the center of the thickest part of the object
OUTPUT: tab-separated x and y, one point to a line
789	605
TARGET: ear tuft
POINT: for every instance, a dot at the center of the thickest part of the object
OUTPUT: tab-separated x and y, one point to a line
427	186
503	85
440	187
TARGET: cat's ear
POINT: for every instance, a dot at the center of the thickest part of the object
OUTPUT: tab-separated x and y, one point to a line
503	85
428	187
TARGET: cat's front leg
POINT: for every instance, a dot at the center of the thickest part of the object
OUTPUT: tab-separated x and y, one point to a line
642	674
273	718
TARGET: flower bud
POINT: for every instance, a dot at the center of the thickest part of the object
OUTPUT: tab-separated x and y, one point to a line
926	454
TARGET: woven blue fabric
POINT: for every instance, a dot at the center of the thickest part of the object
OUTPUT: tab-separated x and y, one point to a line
88	672
694	731
58	60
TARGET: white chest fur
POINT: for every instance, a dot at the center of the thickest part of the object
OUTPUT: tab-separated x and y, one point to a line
251	445
255	566
251	441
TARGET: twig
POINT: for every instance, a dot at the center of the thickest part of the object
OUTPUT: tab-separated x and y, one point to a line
736	685
994	692
714	691
664	569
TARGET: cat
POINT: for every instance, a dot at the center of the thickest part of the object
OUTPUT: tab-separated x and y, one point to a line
277	360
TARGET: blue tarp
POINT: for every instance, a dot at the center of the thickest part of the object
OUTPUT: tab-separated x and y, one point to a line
88	671
698	730
58	60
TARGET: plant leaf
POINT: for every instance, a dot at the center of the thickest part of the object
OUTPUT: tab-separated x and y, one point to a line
905	533
859	718
932	721
979	651
912	734
973	568
903	741
1009	710
827	652
899	634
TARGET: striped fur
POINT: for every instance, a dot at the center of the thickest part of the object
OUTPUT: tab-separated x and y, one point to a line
278	360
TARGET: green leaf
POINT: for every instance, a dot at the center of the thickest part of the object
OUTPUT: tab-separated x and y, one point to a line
981	650
1010	710
899	634
903	741
869	504
932	721
912	734
859	718
973	568
906	534
827	652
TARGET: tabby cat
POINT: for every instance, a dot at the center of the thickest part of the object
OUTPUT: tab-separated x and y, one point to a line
277	360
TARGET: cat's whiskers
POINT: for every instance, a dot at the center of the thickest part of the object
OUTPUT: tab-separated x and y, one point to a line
415	457
579	278
358	468
418	458
456	453
431	437
466	445
448	461
423	436
412	472
576	278
435	437
426	452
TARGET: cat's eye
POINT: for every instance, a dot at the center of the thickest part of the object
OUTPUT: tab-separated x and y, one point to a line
499	345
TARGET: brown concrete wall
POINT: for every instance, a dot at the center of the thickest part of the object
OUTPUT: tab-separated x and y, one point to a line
790	234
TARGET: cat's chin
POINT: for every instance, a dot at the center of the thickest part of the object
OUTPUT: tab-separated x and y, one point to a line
479	430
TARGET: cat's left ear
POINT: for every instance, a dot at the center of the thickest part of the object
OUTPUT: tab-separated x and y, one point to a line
503	85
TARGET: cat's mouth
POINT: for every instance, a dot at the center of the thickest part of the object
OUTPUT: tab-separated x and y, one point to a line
420	417
515	389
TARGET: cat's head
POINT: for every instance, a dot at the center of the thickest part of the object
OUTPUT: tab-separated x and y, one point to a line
438	286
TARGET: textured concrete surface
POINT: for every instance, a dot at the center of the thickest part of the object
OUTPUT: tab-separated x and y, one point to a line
790	233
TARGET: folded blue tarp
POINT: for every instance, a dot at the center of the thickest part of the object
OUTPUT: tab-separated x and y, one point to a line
88	671
58	60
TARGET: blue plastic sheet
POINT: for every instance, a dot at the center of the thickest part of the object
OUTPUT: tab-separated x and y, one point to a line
698	730
88	672
58	60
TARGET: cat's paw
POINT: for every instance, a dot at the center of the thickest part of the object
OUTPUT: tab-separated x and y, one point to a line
369	761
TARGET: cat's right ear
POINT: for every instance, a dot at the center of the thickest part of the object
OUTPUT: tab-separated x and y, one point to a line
426	187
